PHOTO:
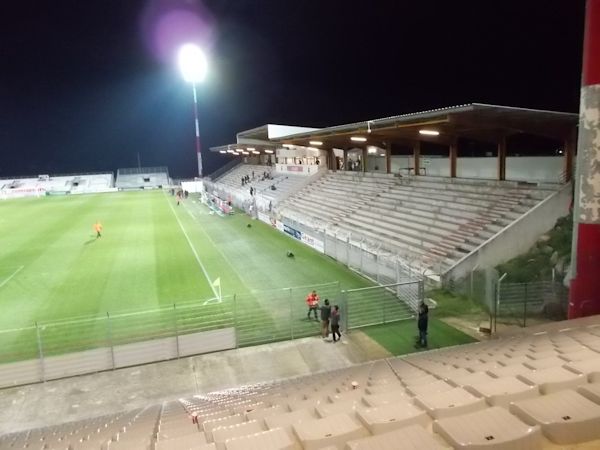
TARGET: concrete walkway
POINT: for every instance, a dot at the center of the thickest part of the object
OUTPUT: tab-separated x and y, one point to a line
87	396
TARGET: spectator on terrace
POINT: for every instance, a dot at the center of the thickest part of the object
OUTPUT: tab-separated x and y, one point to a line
422	324
325	316
312	301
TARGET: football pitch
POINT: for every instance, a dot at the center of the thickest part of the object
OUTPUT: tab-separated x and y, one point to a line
153	257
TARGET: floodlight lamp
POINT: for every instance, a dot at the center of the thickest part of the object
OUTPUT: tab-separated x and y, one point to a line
250	149
230	151
315	143
429	132
358	139
256	152
222	151
192	63
269	151
372	149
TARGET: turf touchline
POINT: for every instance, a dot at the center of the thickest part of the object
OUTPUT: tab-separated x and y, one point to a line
191	246
12	275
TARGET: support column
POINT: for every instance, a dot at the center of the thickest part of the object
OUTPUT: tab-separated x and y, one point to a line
584	295
345	160
502	159
388	157
570	144
364	160
453	154
417	157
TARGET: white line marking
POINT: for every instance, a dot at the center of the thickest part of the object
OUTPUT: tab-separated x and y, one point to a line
192	247
12	275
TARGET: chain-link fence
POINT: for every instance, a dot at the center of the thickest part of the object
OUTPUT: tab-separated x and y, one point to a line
381	304
527	303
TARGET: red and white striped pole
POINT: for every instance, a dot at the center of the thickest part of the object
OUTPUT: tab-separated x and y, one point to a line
585	285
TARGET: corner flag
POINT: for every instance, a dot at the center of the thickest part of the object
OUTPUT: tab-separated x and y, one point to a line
217	284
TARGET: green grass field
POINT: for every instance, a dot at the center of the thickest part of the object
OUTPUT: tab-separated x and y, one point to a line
152	275
52	268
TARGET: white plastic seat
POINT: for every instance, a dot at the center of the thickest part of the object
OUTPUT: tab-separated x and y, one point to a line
221	434
210	425
413	437
509	371
565	417
347	406
492	428
182	442
553	379
471	379
590	368
435	387
502	391
390	417
544	363
449	403
260	414
386	398
331	430
286	420
276	439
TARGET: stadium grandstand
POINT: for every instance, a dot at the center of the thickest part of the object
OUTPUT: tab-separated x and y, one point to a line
412	185
142	178
56	185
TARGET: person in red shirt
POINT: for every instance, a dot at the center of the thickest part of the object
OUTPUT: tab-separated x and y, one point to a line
312	301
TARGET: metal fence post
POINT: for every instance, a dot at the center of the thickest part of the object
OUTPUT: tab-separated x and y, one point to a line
291	300
346	306
525	308
110	340
40	351
235	322
176	329
498	287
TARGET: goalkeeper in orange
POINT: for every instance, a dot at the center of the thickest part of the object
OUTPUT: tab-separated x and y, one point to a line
98	229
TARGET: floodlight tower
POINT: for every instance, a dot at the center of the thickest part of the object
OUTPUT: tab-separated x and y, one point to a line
193	66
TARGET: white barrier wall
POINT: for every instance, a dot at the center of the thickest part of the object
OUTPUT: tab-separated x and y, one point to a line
109	358
547	169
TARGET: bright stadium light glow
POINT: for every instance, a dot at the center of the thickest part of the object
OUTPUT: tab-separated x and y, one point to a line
222	151
192	63
358	139
245	153
230	151
372	149
315	143
269	151
429	132
288	145
256	152
250	149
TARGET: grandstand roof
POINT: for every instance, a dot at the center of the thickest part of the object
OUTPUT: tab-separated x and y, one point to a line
476	121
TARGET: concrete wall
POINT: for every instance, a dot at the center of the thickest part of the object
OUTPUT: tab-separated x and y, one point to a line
546	169
535	168
108	358
517	237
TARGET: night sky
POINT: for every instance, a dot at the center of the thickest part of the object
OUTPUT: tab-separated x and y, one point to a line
86	85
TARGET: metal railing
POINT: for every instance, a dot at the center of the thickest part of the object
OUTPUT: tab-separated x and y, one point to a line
257	317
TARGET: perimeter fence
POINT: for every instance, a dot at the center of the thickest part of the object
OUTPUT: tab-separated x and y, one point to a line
55	349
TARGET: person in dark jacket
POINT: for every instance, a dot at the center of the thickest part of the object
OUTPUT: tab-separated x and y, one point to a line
325	316
335	323
422	324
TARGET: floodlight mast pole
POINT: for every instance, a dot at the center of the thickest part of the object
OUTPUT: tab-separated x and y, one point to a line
584	299
198	146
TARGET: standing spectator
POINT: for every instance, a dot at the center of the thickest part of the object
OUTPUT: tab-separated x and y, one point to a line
335	323
312	301
325	316
422	325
